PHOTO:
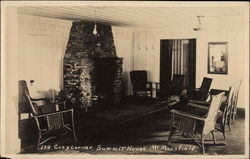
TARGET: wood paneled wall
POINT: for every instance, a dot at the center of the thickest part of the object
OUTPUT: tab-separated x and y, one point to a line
146	54
42	44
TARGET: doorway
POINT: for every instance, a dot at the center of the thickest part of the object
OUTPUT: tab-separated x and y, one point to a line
177	56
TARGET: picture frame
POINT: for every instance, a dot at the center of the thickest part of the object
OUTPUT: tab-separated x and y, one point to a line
218	58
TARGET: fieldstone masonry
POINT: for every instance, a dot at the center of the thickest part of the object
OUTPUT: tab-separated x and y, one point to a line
92	70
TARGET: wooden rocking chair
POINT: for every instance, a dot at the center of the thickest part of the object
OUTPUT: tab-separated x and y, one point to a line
140	83
188	122
202	92
50	119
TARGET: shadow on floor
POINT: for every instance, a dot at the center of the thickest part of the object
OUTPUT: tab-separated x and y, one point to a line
145	135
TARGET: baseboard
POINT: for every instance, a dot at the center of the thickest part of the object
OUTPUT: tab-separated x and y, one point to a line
241	112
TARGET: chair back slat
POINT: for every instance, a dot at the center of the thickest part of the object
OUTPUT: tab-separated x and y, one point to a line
237	89
23	102
212	113
31	106
233	96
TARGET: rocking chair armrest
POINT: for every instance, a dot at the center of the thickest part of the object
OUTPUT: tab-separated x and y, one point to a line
185	114
51	104
198	106
201	102
217	91
38	99
157	85
53	113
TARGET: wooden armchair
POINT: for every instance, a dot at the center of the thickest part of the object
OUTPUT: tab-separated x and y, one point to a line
203	107
140	83
202	92
188	122
176	85
50	119
228	110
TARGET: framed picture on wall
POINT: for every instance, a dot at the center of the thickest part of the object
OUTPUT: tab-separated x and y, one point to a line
217	58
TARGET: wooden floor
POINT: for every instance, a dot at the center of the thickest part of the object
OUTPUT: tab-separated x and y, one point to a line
145	135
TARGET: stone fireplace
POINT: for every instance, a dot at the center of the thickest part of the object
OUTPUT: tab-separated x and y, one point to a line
92	71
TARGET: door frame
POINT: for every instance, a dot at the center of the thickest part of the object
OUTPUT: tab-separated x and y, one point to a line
166	55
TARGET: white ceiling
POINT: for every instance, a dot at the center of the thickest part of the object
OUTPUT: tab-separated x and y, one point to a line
131	16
